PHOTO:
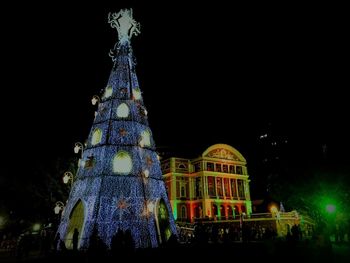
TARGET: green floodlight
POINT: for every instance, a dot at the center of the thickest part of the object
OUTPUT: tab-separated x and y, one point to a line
330	208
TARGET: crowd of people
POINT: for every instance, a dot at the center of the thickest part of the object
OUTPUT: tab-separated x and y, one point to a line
48	241
225	232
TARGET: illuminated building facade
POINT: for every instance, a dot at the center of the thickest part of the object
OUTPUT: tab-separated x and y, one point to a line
214	186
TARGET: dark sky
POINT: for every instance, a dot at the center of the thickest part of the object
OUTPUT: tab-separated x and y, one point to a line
209	73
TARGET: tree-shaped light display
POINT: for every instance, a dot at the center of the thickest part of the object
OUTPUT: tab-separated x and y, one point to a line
119	181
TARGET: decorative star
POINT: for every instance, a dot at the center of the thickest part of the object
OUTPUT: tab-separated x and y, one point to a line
123	206
149	160
122	132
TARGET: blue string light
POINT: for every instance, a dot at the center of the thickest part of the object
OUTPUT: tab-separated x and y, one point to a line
113	200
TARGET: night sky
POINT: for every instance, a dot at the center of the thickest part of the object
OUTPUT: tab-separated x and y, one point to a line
209	74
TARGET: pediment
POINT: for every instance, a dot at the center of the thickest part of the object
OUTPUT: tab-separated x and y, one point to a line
222	154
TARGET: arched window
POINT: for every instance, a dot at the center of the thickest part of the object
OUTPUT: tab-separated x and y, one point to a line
123	110
198	211
76	221
183	192
122	163
215	210
145	139
96	137
108	92
222	211
236	210
137	93
183	212
229	211
163	222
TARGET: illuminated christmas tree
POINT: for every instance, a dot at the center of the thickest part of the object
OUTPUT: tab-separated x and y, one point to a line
119	181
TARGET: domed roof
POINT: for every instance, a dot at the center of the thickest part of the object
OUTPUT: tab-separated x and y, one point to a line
223	151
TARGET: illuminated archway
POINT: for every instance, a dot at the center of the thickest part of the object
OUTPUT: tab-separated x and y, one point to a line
183	212
122	163
215	210
198	211
222	212
163	224
229	211
96	137
76	221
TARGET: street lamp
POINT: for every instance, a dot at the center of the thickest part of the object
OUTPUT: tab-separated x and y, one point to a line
58	207
79	146
95	99
68	176
273	210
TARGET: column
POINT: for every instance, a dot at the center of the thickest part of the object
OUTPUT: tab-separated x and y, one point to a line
223	186
236	186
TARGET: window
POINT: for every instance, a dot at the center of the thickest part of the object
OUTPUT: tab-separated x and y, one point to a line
232	169
226	187
197	167
210	167
217	167
96	137
219	187
168	188
215	210
198	188
229	211
122	163
123	110
239	170
233	188
222	211
181	166
225	168
183	212
240	185
183	191
211	186
236	210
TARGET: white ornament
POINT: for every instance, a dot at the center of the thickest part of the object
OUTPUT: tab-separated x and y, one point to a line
122	163
123	111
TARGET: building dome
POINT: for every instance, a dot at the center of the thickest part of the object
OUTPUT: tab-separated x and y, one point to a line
224	151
